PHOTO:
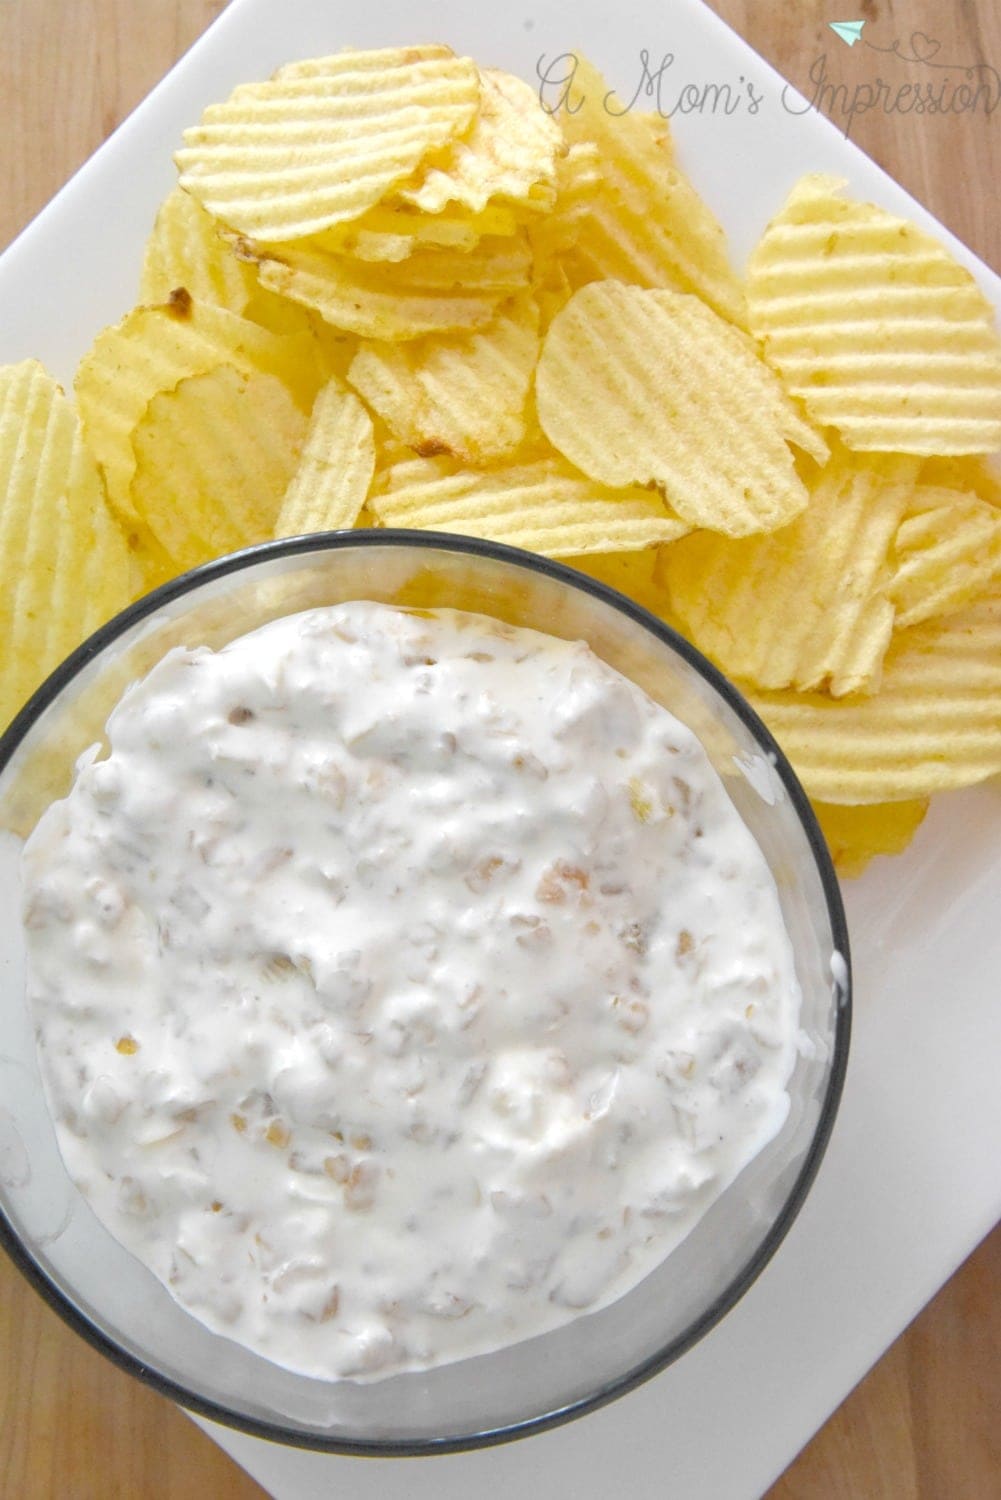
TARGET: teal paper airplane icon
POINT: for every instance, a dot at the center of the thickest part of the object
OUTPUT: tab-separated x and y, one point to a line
848	31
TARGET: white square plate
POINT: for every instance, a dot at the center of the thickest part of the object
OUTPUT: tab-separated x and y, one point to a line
911	1181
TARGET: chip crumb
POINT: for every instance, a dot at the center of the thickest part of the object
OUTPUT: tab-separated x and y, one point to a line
430	448
179	303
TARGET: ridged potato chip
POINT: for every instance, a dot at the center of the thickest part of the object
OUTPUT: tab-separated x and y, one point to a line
509	154
806	606
429	292
935	723
947	551
325	140
875	326
64	562
335	470
392	233
187	250
460	394
646	224
151	350
213	460
855	835
650	387
543	506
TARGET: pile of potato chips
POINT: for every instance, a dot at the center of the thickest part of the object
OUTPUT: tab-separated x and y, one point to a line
391	289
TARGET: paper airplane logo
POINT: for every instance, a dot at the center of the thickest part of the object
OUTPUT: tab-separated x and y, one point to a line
849	31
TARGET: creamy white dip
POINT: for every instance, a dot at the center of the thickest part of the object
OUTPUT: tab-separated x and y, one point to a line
405	985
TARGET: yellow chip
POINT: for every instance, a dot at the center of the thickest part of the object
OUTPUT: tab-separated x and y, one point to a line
509	153
324	140
646	225
335	470
542	506
461	394
855	835
187	250
651	387
213	459
150	350
391	234
806	606
429	292
63	559
934	724
948	550
875	326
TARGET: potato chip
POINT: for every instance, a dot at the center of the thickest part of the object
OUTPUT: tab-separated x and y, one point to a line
508	153
335	470
463	394
324	140
646	225
875	326
934	724
63	559
855	835
651	387
187	250
150	350
429	292
213	459
806	606
543	506
948	550
392	233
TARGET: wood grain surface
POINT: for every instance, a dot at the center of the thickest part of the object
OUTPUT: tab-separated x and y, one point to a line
922	1425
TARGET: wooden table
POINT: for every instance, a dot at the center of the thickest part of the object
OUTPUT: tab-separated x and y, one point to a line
922	1426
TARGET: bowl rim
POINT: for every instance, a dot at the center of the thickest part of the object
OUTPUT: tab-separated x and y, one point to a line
318	542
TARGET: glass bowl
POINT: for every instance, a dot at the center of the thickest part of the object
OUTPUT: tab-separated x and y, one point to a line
114	1302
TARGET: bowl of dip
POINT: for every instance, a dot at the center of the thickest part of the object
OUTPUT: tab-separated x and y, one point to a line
425	991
